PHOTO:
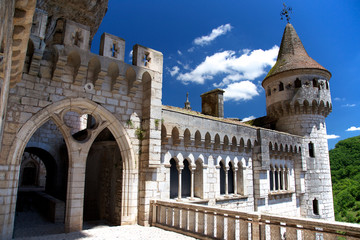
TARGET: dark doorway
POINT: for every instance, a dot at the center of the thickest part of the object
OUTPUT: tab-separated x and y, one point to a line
174	179
41	197
103	182
222	178
230	179
186	180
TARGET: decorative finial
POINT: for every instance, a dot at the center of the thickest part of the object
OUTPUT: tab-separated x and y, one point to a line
286	13
187	103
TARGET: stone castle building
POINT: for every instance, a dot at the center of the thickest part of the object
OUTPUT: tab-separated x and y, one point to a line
85	137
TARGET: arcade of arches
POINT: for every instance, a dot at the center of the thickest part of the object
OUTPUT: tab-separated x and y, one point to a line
54	184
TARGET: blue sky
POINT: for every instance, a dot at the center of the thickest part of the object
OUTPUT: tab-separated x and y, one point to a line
232	44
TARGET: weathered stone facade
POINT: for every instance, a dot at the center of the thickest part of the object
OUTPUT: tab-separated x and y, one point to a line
109	146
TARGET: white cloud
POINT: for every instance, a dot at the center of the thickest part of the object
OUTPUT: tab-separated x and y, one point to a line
174	71
339	99
179	52
244	90
332	136
350	129
216	32
248	118
131	53
247	66
349	105
191	49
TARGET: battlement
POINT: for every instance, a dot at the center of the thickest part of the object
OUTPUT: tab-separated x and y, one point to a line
68	57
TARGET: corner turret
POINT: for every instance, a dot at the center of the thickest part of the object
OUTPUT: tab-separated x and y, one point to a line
298	99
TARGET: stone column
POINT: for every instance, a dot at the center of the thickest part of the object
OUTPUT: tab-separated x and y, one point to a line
279	173
273	177
283	179
179	182
235	180
192	183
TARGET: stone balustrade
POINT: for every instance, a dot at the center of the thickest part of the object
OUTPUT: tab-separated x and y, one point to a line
206	222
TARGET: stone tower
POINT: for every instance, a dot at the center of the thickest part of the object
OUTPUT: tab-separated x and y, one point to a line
298	99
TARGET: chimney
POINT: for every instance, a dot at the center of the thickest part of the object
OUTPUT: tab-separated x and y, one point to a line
212	103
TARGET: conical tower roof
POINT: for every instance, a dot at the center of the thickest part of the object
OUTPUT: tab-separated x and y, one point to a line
292	55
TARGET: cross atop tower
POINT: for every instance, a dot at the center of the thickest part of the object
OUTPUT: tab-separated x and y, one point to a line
147	59
77	37
114	49
286	13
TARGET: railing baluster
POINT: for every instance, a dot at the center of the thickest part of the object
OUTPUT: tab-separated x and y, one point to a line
244	230
168	216
210	225
192	220
162	214
220	225
201	223
184	216
177	217
231	231
329	236
275	232
309	235
291	233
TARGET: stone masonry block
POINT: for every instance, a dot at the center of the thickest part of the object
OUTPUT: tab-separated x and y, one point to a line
112	46
148	58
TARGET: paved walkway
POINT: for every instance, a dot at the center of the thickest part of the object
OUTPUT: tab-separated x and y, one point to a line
133	232
30	225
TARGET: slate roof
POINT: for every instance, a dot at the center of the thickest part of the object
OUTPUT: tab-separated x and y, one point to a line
292	55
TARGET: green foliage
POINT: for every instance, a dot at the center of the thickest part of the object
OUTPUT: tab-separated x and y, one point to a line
345	174
130	123
139	133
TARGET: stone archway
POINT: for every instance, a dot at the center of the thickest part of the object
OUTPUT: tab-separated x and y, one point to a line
78	151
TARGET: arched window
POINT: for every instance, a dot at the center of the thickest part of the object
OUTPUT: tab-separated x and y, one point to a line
187	138
315	83
207	140
281	178
242	145
327	85
164	138
316	206
174	179
217	142
276	178
226	143
231	178
186	180
311	150
233	144
248	147
222	178
297	83
269	91
175	136
197	139
281	86
271	178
